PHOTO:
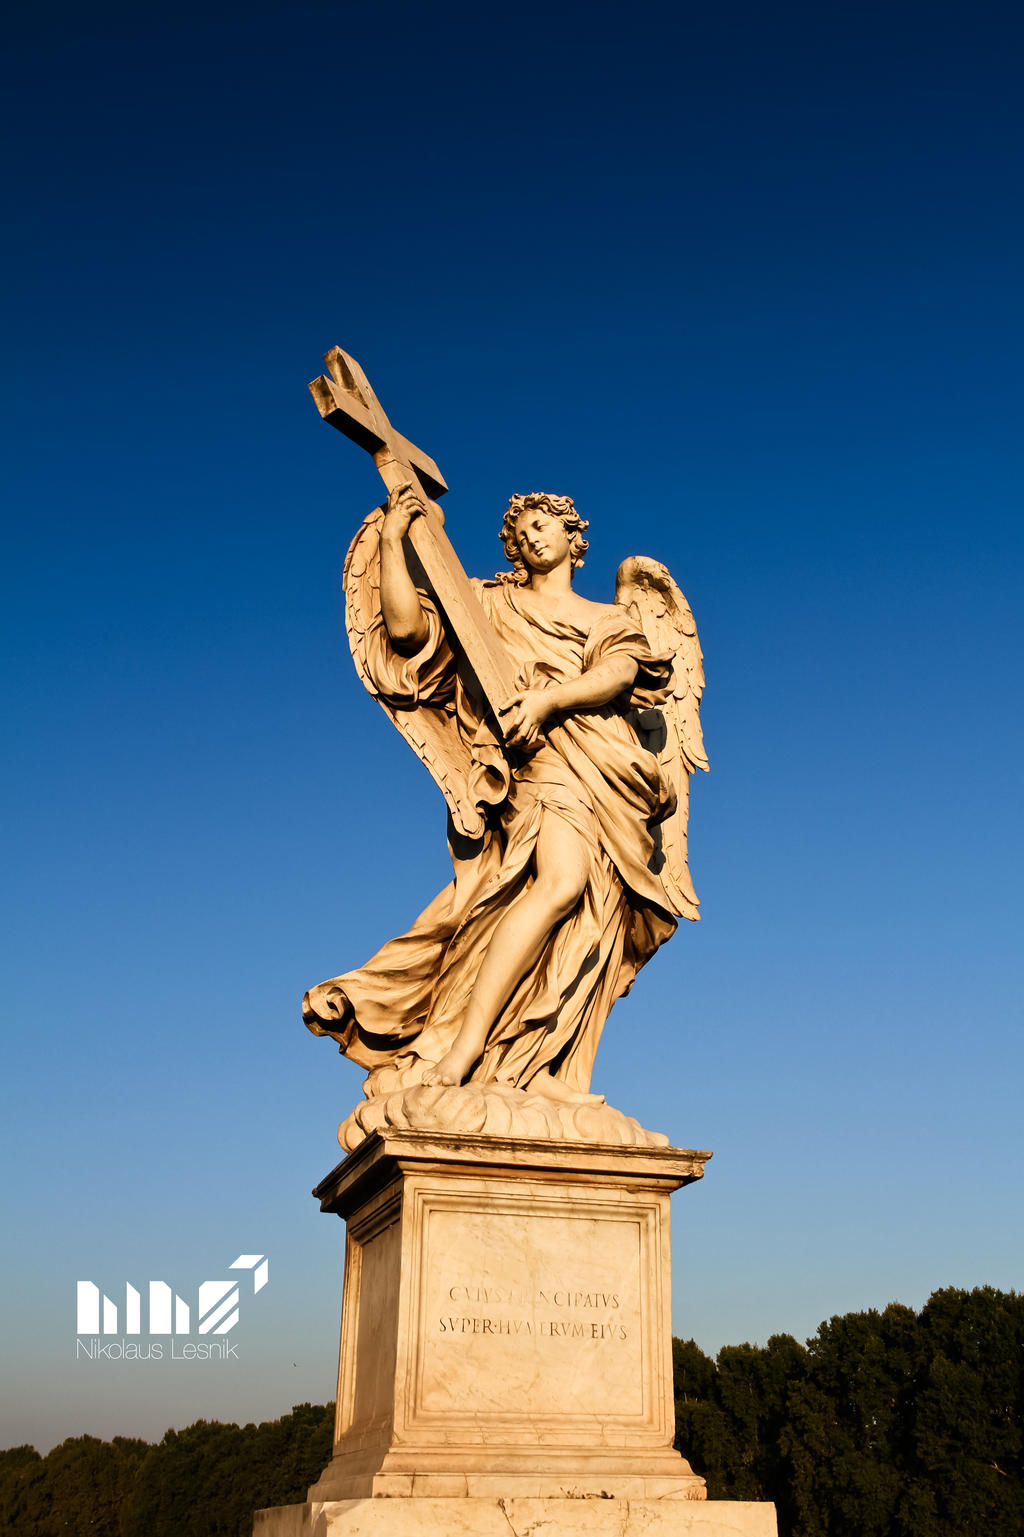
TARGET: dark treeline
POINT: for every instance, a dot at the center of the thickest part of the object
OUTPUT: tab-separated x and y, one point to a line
205	1481
893	1424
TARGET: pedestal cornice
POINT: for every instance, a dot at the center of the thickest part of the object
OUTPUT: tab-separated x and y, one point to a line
376	1160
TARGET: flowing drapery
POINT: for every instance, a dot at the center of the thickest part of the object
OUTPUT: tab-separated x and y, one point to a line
401	1011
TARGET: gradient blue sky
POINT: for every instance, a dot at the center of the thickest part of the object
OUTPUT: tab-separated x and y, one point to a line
745	281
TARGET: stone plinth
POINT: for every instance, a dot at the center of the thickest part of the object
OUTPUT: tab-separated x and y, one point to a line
506	1345
518	1518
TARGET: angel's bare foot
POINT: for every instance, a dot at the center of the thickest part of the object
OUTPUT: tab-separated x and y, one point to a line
554	1088
452	1068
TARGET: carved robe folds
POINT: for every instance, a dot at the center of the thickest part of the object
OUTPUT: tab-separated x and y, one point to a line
402	1010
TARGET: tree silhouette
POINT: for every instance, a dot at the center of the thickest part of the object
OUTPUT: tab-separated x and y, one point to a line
885	1424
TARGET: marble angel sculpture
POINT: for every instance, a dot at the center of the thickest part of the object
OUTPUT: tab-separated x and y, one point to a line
577	870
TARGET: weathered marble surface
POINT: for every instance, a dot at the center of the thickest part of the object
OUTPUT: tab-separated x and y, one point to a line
506	1347
506	1320
518	1518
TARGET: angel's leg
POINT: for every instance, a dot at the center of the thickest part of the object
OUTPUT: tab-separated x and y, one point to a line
562	861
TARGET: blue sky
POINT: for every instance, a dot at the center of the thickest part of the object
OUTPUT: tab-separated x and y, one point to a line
743	280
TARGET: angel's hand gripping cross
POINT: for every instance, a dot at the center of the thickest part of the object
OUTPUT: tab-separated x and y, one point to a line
345	398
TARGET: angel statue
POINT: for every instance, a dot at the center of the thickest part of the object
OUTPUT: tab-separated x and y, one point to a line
571	869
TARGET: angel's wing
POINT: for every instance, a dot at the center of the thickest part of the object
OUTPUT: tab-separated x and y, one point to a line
430	731
645	586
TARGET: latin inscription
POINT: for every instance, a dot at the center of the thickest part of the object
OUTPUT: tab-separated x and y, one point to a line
555	1299
538	1304
567	1300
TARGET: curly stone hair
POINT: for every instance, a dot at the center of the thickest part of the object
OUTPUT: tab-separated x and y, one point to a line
561	507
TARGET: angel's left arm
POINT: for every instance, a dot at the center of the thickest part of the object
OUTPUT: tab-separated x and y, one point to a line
602	682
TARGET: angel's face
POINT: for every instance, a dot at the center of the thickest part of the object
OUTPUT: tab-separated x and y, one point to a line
541	539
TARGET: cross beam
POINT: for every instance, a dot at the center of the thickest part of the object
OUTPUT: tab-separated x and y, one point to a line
345	399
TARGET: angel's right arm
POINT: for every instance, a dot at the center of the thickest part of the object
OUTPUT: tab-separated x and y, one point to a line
400	605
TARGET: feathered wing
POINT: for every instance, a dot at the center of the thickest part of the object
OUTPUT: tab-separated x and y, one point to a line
431	731
645	586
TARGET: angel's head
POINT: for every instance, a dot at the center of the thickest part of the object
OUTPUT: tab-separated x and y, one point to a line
538	531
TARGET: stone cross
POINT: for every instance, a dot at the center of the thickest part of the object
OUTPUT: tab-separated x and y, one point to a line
345	399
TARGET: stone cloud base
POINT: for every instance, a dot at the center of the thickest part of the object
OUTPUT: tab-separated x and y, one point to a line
506	1345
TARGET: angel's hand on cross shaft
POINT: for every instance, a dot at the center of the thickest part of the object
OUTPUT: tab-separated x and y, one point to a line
524	715
404	504
400	605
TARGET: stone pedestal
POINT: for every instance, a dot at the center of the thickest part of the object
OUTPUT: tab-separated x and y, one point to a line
506	1345
518	1518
